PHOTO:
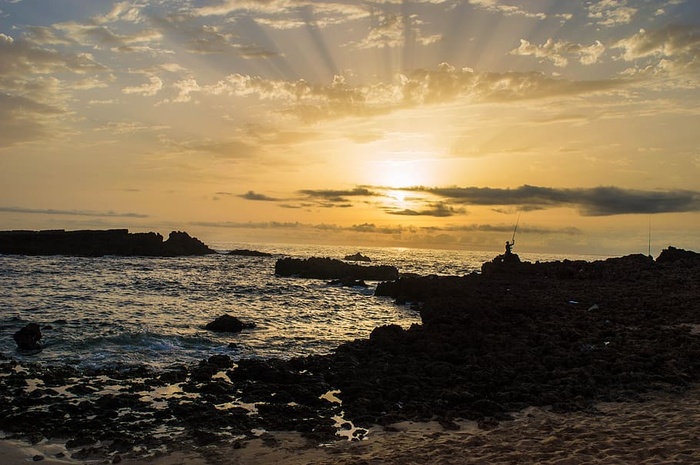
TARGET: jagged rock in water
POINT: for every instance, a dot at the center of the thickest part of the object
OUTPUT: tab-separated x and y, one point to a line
228	324
249	253
328	268
358	257
28	338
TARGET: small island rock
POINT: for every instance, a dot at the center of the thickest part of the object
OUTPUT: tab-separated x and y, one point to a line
249	253
328	268
358	257
228	324
28	337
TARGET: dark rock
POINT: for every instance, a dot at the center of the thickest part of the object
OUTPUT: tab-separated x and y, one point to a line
328	268
358	257
92	243
228	324
506	263
672	254
173	376
28	338
203	438
180	243
249	253
203	373
220	361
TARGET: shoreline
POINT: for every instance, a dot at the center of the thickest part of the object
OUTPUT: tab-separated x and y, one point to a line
665	428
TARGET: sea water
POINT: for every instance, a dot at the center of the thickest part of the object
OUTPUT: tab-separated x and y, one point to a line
130	311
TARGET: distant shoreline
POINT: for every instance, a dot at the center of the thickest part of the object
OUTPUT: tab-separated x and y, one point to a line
96	243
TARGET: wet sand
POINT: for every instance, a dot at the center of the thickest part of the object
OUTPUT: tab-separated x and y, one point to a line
663	429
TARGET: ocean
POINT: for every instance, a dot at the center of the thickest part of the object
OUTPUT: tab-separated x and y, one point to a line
133	311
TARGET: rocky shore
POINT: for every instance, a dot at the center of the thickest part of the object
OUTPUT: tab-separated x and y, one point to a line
95	243
564	335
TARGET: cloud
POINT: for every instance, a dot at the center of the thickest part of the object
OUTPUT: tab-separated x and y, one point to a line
672	40
448	83
672	50
598	201
108	214
436	209
149	89
557	52
611	12
31	101
211	39
100	36
338	196
391	230
283	14
21	58
23	119
198	38
498	6
122	11
43	35
396	31
251	195
444	85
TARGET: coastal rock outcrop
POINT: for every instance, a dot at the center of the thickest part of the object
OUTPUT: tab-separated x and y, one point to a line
95	243
328	268
565	334
672	254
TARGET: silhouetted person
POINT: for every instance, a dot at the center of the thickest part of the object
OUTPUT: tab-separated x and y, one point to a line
509	247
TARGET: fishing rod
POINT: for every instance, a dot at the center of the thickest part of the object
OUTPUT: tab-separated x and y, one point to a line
515	229
649	251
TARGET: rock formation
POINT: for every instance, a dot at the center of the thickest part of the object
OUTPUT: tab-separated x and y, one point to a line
358	257
28	338
249	253
228	324
328	268
95	243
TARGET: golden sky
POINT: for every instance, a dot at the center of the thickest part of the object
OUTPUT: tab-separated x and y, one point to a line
423	123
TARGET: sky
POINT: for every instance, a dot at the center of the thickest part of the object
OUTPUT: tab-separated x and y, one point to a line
423	123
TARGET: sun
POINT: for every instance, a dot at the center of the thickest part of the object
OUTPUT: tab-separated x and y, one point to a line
402	173
398	199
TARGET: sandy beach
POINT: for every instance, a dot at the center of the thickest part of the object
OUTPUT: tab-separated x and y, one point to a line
663	429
